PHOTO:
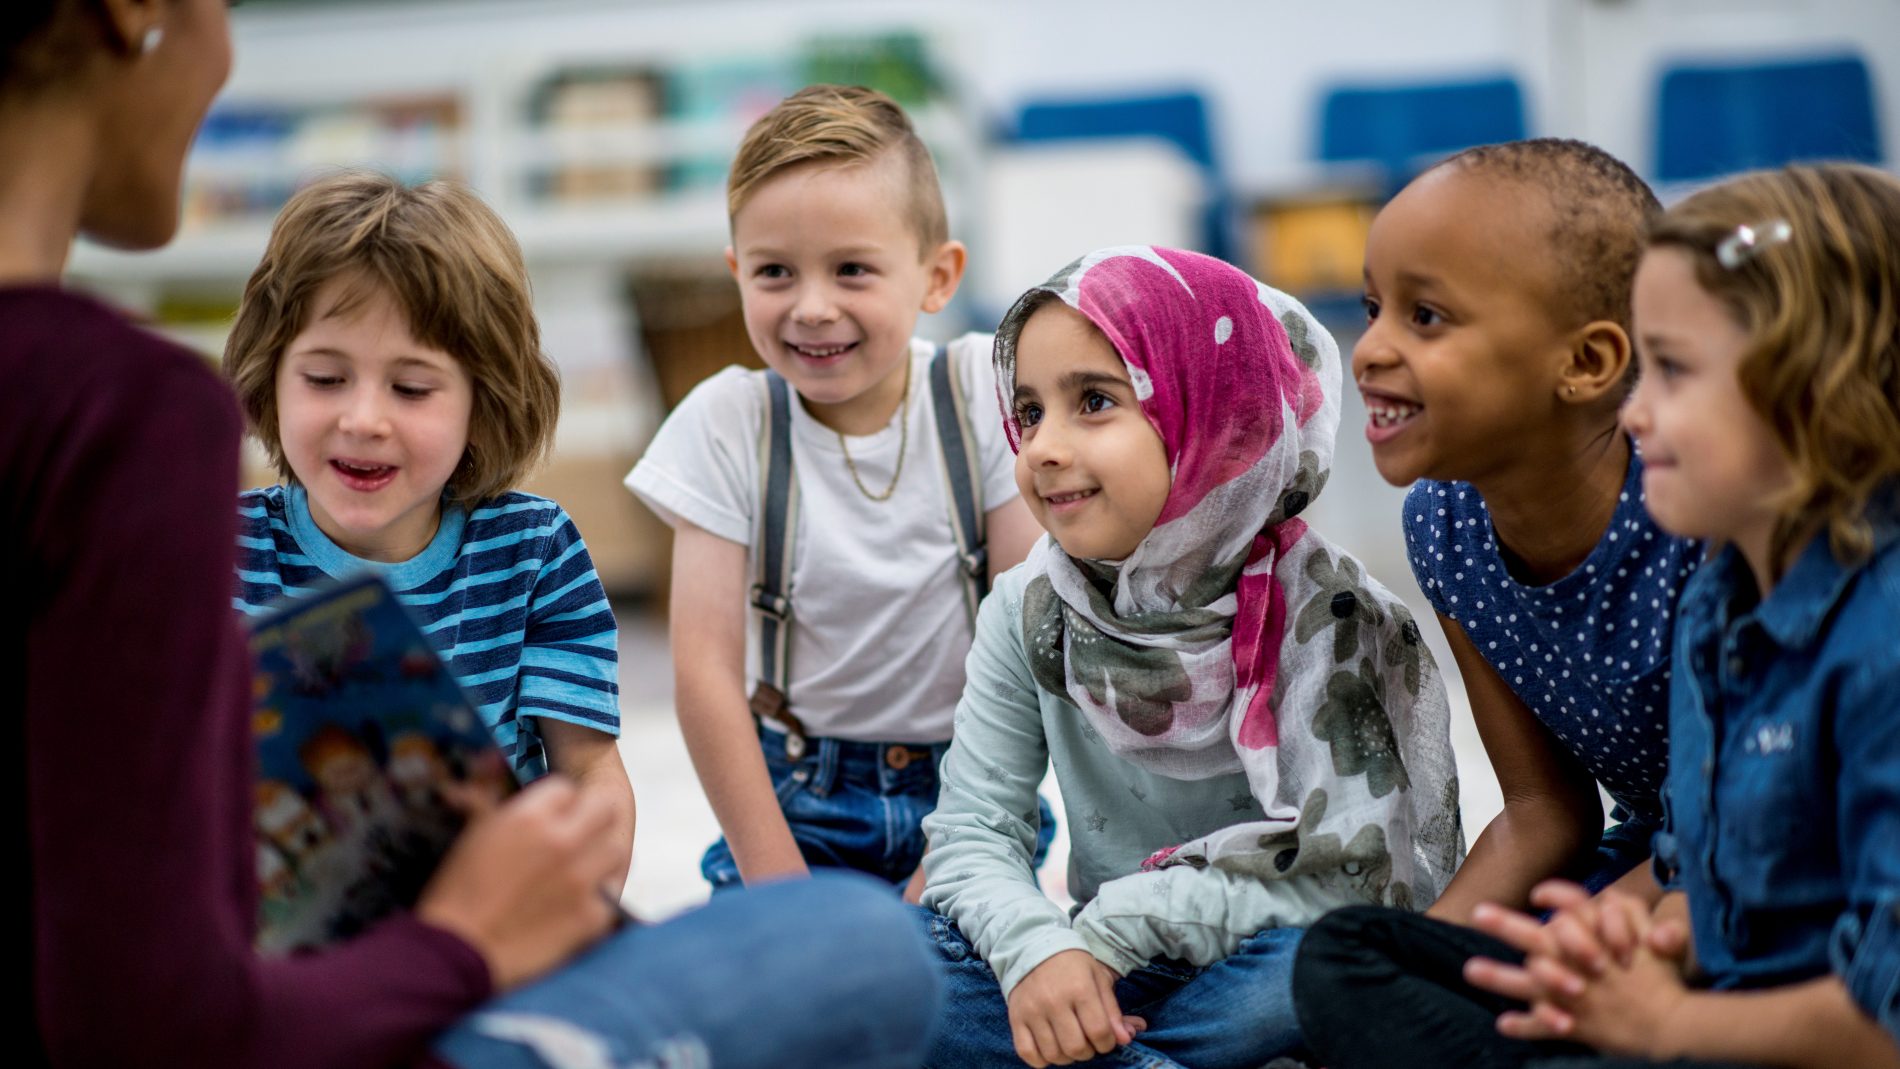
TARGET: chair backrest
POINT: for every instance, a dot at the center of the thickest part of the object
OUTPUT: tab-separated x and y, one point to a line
1718	119
1179	118
1402	128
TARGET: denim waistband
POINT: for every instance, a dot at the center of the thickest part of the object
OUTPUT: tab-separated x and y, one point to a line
889	767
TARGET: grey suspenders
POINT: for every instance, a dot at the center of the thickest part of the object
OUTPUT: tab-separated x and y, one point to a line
772	563
778	523
963	474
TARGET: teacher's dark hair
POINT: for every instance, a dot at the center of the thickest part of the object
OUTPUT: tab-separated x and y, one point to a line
43	41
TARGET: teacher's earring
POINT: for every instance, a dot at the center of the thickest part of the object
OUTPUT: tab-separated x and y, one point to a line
149	43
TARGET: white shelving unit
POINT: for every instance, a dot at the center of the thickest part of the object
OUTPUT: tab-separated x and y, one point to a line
287	62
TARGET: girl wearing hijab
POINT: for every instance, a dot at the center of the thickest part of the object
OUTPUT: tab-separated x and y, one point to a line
1245	727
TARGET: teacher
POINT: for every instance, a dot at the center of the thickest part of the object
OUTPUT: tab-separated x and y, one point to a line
125	685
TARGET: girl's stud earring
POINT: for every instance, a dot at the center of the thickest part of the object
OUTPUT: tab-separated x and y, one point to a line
149	43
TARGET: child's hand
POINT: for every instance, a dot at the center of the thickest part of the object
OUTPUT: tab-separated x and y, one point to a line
1615	931
1583	936
1599	972
1566	947
1065	1011
1578	937
522	884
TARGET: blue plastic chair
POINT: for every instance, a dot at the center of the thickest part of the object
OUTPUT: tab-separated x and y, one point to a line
1716	120
1399	128
1179	118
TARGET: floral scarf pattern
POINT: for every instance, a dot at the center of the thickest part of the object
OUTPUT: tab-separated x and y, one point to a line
1234	638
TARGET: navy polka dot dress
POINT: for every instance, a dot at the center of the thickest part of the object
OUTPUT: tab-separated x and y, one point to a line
1589	653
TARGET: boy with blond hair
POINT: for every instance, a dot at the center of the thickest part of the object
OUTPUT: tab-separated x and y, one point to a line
837	515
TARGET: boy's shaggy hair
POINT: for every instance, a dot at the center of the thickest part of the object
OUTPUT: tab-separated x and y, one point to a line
1600	212
453	268
840	125
1822	312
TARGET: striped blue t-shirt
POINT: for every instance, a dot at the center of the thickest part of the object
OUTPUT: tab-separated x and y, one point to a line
507	593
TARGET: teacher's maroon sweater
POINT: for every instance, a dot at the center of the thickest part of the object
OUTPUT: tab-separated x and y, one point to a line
126	686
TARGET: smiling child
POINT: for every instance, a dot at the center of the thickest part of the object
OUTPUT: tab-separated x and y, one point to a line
1245	727
1495	356
386	354
818	644
1767	311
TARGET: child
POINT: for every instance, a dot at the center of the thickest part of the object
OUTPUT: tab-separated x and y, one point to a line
857	629
387	356
1493	362
1196	665
1768	316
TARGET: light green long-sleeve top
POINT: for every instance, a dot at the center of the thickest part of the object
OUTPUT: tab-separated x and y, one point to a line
983	833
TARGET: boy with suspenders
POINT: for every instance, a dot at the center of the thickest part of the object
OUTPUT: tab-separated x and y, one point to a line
809	532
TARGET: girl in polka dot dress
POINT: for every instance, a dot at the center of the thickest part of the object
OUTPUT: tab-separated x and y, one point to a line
1767	311
1493	363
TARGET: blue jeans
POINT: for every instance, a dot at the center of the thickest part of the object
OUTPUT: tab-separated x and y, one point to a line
826	973
1237	1012
855	805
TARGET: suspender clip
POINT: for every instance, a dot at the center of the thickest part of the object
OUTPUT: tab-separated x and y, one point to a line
976	564
777	606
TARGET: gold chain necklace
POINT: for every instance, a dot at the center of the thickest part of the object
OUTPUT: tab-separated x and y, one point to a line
903	442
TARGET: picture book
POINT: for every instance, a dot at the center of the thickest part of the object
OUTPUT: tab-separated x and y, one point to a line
361	733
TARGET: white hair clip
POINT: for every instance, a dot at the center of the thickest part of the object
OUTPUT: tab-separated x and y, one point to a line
1748	242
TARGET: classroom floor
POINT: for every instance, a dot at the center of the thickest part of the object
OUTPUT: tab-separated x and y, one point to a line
1357	510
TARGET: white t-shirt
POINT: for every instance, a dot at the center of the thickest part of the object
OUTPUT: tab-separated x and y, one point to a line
879	629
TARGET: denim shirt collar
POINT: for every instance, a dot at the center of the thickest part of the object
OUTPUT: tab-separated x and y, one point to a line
1794	610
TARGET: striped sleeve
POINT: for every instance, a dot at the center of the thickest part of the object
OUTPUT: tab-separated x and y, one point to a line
270	566
569	664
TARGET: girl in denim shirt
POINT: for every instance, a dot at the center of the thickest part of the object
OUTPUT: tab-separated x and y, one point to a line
1768	322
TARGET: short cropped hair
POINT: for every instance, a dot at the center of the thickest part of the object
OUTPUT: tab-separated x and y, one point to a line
1822	312
1600	211
456	272
840	124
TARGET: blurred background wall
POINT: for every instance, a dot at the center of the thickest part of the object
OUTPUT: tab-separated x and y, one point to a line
1264	131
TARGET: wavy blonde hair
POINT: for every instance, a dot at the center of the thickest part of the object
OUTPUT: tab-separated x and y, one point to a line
1822	311
455	270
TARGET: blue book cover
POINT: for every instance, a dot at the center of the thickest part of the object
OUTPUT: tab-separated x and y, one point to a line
362	735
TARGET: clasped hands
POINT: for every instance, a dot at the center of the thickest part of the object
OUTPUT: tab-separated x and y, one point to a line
1604	971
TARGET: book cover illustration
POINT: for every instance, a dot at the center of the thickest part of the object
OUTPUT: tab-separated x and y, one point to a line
360	727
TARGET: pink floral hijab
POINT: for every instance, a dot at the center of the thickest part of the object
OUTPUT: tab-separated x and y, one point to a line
1234	638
